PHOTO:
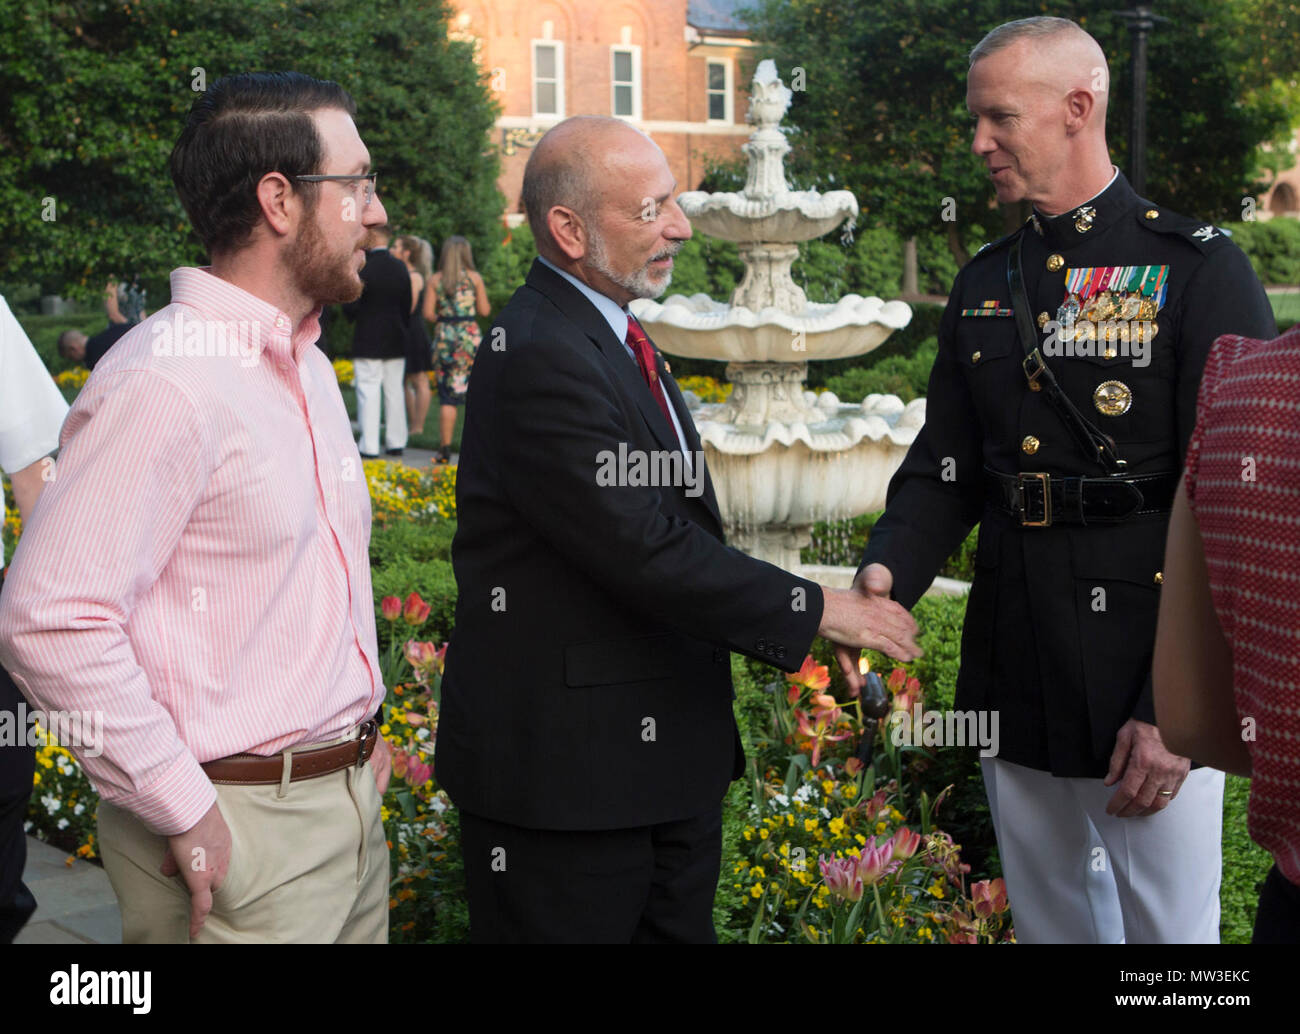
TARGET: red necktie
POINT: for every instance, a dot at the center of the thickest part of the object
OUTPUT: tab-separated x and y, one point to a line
645	358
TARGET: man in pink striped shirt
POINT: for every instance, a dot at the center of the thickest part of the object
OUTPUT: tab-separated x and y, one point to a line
197	572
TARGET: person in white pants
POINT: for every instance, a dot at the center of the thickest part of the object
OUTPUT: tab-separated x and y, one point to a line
1081	876
373	378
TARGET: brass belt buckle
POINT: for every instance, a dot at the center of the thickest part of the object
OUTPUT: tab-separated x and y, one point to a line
1044	480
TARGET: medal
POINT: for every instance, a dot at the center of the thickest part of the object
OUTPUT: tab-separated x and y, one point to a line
1112	398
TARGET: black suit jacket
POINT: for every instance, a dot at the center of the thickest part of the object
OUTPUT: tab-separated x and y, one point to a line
383	312
588	683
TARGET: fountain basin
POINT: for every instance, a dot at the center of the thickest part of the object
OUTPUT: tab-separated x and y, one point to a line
800	473
700	328
786	217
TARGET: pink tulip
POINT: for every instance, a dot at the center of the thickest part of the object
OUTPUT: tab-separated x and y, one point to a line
811	675
842	877
399	762
417	772
873	861
904	843
391	607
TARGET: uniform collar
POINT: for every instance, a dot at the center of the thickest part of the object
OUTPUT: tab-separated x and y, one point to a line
1088	219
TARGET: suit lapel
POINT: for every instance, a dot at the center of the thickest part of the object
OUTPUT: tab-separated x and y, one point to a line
571	302
709	498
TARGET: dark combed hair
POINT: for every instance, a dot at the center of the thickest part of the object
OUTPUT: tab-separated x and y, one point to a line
241	128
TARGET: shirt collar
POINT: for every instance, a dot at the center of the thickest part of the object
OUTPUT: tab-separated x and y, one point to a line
220	300
615	315
1107	206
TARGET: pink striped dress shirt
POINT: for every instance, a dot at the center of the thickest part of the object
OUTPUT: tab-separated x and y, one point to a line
197	571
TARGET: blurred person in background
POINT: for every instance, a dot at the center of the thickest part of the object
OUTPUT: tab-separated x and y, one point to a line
78	348
457	296
418	256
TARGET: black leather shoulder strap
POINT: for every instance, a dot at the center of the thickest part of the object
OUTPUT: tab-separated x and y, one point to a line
1095	444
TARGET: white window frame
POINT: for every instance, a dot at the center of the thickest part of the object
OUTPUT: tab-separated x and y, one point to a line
728	96
635	51
558	114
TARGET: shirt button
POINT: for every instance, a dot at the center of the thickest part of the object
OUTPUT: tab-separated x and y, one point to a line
975	356
1029	445
281	323
1151	213
283	367
1160	578
1055	263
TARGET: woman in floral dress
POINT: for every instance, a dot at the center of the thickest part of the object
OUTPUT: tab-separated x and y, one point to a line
456	295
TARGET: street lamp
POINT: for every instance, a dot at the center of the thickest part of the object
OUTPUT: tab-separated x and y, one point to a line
1140	22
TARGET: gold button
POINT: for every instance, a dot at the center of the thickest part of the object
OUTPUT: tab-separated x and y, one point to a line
975	357
1042	320
1030	445
1055	263
1151	213
1110	353
1160	578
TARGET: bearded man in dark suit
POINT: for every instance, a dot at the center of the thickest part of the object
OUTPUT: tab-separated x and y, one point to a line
586	731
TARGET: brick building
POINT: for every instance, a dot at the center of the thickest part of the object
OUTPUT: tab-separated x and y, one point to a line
676	69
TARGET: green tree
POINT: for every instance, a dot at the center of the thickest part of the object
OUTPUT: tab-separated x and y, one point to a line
95	94
883	111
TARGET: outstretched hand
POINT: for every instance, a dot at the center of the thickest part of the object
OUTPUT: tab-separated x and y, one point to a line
855	621
873	584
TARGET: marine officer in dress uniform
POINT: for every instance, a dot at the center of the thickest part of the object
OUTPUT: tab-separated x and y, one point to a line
1058	412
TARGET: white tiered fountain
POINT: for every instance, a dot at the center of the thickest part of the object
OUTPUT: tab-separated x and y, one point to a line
783	458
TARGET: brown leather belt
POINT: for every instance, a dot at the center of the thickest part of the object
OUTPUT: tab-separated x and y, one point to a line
259	770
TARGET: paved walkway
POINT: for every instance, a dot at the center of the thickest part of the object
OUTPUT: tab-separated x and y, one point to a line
75	903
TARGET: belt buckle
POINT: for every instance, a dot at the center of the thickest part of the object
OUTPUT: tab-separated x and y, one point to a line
368	730
1044	481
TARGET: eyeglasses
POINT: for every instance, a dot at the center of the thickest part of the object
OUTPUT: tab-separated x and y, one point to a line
369	178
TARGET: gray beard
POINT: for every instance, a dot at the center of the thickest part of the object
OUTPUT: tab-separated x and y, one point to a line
640	283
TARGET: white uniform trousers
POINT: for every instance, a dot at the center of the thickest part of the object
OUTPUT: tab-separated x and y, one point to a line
372	375
1077	875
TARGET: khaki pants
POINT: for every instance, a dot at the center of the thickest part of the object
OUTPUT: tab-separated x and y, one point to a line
306	866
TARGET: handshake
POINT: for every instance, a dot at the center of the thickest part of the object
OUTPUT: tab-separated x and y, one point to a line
865	617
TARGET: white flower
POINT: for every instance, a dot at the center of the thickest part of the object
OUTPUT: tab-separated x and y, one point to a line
63	824
79	808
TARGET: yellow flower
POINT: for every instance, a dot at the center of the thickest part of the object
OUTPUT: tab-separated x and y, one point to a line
836	826
756	891
789	820
936	888
762	834
850	790
860	839
895	814
925	933
881	826
758	872
749	833
828	787
809	825
784	850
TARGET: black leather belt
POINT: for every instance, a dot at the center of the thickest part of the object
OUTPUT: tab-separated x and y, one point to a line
1038	500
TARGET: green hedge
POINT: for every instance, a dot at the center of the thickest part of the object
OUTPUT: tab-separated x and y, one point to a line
1273	248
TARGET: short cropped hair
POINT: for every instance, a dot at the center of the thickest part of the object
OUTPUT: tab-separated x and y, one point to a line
1040	27
242	127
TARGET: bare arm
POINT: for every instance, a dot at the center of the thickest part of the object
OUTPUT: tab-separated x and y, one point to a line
417	283
110	304
480	295
1192	670
28	483
431	300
